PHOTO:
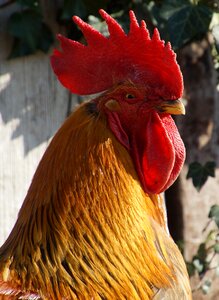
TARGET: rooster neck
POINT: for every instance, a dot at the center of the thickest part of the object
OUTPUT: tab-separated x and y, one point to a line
86	166
86	213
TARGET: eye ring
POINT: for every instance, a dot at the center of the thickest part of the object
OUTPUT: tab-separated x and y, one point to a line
130	96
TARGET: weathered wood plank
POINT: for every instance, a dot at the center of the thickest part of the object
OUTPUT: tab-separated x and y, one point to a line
32	106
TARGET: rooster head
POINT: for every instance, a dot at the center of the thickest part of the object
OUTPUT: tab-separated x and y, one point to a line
142	84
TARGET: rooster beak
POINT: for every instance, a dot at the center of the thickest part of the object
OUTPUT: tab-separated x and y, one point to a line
173	107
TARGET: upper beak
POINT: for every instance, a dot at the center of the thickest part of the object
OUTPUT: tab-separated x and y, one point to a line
173	107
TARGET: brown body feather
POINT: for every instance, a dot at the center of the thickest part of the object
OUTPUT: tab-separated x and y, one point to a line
87	230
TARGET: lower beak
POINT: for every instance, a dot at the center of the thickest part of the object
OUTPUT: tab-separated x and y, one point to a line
172	107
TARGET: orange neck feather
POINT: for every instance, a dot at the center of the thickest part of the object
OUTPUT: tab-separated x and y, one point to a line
86	226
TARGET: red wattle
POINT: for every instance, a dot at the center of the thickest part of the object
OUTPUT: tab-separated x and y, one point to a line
153	153
156	148
158	157
179	148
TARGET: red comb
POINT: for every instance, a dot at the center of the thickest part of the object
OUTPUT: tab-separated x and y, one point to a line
103	62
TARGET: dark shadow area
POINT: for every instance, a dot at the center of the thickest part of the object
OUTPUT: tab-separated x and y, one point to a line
175	211
199	128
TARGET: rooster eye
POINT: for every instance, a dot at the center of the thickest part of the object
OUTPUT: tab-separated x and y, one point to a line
130	96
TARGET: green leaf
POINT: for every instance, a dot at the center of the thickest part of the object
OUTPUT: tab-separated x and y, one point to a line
20	48
94	6
46	38
187	23
73	7
194	168
199	261
32	4
198	265
216	248
210	168
214	214
190	268
202	252
29	32
170	7
199	173
206	286
26	26
212	4
211	235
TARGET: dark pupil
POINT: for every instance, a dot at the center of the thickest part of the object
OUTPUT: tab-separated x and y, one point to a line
130	96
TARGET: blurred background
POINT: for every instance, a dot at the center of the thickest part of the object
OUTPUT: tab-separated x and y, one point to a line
33	105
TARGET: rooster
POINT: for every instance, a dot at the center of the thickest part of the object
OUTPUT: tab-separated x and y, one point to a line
93	225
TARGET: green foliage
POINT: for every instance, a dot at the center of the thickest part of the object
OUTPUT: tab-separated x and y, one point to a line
31	4
200	174
76	7
206	286
28	29
214	214
199	262
182	21
179	21
207	256
187	23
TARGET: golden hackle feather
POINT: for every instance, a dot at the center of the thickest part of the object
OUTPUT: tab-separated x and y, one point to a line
87	230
